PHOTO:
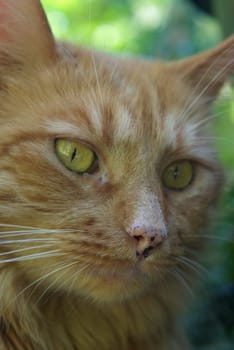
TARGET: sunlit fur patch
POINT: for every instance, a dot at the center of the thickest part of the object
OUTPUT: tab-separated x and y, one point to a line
189	138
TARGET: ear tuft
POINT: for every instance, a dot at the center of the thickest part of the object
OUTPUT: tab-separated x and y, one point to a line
25	35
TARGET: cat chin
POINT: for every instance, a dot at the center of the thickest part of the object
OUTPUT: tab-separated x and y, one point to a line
113	290
104	287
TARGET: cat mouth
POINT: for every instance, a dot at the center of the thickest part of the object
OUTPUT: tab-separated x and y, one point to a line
123	272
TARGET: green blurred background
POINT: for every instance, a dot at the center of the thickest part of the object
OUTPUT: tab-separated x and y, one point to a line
172	29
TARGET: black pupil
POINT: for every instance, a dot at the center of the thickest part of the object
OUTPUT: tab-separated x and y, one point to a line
73	154
176	172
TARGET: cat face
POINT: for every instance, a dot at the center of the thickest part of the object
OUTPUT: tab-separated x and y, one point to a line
107	177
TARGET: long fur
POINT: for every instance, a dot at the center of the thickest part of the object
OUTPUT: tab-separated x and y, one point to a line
69	274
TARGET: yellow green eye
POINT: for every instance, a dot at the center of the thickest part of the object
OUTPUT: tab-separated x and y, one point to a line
75	156
178	175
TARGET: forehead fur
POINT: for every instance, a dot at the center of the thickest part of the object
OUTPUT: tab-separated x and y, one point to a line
101	99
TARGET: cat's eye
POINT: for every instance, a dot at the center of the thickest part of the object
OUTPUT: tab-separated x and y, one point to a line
178	175
76	156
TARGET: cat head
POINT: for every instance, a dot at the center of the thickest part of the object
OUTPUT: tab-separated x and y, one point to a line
107	175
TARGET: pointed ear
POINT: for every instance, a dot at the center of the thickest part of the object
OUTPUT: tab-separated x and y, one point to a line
208	71
25	36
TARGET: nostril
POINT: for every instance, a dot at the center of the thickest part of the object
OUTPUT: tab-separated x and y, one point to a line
147	251
138	237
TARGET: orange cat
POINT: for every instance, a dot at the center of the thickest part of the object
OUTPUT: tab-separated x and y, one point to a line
107	181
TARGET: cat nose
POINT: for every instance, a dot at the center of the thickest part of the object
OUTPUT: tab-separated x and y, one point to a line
146	239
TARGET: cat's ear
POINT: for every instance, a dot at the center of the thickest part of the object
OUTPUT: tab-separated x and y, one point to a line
25	36
207	72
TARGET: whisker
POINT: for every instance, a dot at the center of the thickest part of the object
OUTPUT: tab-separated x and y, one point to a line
76	274
5	234
212	237
31	228
25	249
14	225
27	230
193	265
39	281
29	240
74	278
94	61
215	138
58	278
221	112
178	274
16	234
34	256
212	117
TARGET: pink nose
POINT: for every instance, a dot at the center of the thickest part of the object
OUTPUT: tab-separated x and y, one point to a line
146	239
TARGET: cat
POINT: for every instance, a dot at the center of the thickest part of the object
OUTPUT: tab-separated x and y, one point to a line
107	183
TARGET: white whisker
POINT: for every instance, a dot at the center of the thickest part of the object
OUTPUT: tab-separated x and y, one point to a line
50	253
54	282
94	62
34	229
22	233
16	234
76	274
19	226
39	281
29	240
25	249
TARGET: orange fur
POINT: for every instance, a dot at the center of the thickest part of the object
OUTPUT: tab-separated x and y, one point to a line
69	274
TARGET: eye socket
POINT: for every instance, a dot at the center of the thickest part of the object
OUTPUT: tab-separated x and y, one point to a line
76	156
178	175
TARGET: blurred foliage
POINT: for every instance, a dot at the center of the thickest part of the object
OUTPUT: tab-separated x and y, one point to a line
167	28
170	29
